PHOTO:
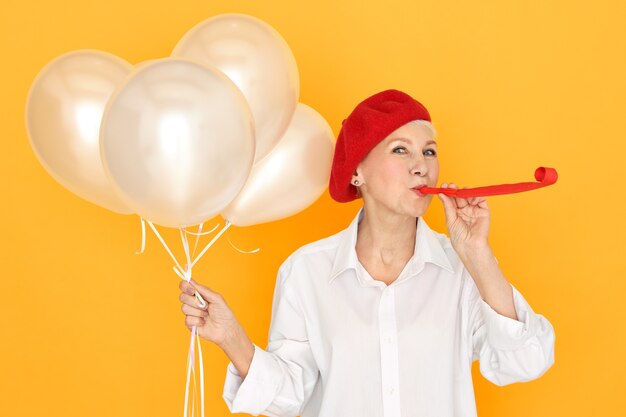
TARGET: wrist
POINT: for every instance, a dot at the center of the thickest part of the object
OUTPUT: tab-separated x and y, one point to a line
239	349
473	249
234	339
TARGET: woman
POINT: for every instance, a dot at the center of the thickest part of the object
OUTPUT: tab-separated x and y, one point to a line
385	317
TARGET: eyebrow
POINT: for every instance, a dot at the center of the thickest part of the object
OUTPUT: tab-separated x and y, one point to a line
409	142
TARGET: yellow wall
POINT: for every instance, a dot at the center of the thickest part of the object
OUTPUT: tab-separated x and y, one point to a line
89	328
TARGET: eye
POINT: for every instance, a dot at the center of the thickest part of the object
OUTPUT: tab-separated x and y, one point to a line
434	152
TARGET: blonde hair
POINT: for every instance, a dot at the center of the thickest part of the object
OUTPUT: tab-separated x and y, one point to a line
426	123
419	122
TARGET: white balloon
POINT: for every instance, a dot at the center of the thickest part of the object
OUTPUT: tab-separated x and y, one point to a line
64	110
177	141
291	177
258	60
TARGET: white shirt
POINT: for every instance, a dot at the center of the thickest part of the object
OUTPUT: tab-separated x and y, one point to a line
342	344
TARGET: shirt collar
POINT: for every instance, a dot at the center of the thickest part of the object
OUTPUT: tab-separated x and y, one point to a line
427	249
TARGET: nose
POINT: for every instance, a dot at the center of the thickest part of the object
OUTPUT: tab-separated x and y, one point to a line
419	168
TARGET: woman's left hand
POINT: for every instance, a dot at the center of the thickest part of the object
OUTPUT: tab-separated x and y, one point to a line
467	220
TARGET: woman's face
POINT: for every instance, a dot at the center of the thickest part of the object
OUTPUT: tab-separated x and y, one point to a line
403	160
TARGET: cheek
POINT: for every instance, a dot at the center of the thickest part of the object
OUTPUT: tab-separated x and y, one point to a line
434	170
390	174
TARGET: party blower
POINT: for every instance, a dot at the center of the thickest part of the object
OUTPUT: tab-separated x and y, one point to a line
544	175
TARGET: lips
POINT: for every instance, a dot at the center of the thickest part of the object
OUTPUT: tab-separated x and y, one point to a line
417	189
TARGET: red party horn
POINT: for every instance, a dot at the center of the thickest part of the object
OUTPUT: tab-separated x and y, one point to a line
545	176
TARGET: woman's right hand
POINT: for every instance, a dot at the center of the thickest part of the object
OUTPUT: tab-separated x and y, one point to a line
215	322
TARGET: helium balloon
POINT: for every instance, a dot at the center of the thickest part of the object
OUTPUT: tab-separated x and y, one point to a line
258	60
177	141
291	177
64	109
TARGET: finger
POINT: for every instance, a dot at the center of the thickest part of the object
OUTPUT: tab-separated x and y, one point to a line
444	185
191	301
192	311
460	202
478	200
191	321
472	200
448	205
186	287
207	293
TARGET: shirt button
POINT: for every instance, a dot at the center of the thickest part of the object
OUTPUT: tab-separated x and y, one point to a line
388	339
390	391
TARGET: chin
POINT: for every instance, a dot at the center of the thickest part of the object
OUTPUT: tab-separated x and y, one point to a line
420	209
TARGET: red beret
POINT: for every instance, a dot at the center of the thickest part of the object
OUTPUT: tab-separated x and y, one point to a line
371	121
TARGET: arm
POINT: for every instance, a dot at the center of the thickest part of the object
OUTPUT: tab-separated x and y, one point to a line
240	350
280	379
493	287
509	349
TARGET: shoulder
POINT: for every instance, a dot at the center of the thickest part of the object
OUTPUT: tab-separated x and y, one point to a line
315	256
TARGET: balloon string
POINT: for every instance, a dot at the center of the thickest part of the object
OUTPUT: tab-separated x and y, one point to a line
201	374
190	365
195	245
143	236
185	242
194	393
233	245
186	274
163	243
226	226
203	233
546	176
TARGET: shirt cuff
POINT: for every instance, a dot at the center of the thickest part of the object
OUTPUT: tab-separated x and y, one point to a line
506	333
256	392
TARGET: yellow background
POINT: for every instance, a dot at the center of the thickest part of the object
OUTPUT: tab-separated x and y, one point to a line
89	328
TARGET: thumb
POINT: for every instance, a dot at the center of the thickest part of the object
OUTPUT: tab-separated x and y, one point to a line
206	293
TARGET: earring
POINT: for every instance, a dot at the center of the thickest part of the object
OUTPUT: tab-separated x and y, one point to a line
356	182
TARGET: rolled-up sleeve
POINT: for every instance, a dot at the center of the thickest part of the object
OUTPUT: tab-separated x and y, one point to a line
509	350
281	378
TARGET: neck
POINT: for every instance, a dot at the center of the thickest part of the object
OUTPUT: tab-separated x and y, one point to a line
386	238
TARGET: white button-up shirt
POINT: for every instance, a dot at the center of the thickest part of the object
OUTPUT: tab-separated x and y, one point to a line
342	344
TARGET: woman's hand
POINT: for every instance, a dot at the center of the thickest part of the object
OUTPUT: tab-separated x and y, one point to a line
467	220
215	322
